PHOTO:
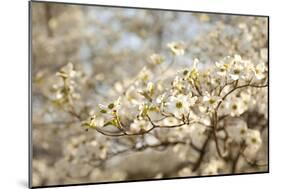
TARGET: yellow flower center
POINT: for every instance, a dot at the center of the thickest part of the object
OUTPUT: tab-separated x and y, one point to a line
222	69
212	101
242	131
236	71
110	106
179	105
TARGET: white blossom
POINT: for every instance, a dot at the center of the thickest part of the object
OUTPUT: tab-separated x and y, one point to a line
177	48
235	106
180	105
253	143
260	71
210	102
236	71
140	125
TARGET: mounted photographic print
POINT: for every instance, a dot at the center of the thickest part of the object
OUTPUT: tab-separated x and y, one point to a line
120	94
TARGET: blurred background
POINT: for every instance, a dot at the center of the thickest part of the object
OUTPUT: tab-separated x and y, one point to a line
109	45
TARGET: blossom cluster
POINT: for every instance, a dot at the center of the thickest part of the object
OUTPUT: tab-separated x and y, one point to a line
130	90
195	104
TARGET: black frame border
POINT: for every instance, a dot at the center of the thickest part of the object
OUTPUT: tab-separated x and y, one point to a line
30	146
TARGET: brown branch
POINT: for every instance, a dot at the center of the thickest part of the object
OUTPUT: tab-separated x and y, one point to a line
215	122
198	90
201	155
238	87
236	159
195	147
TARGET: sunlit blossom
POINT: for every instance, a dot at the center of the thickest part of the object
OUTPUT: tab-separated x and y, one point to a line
140	125
253	143
210	102
180	105
260	71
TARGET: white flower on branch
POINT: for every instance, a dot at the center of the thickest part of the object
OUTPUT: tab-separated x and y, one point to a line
236	71
210	102
177	48
253	143
178	85
235	106
180	105
93	122
192	75
65	88
140	125
223	68
260	71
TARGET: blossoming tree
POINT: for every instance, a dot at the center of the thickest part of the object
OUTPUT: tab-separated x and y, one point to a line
193	108
197	109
